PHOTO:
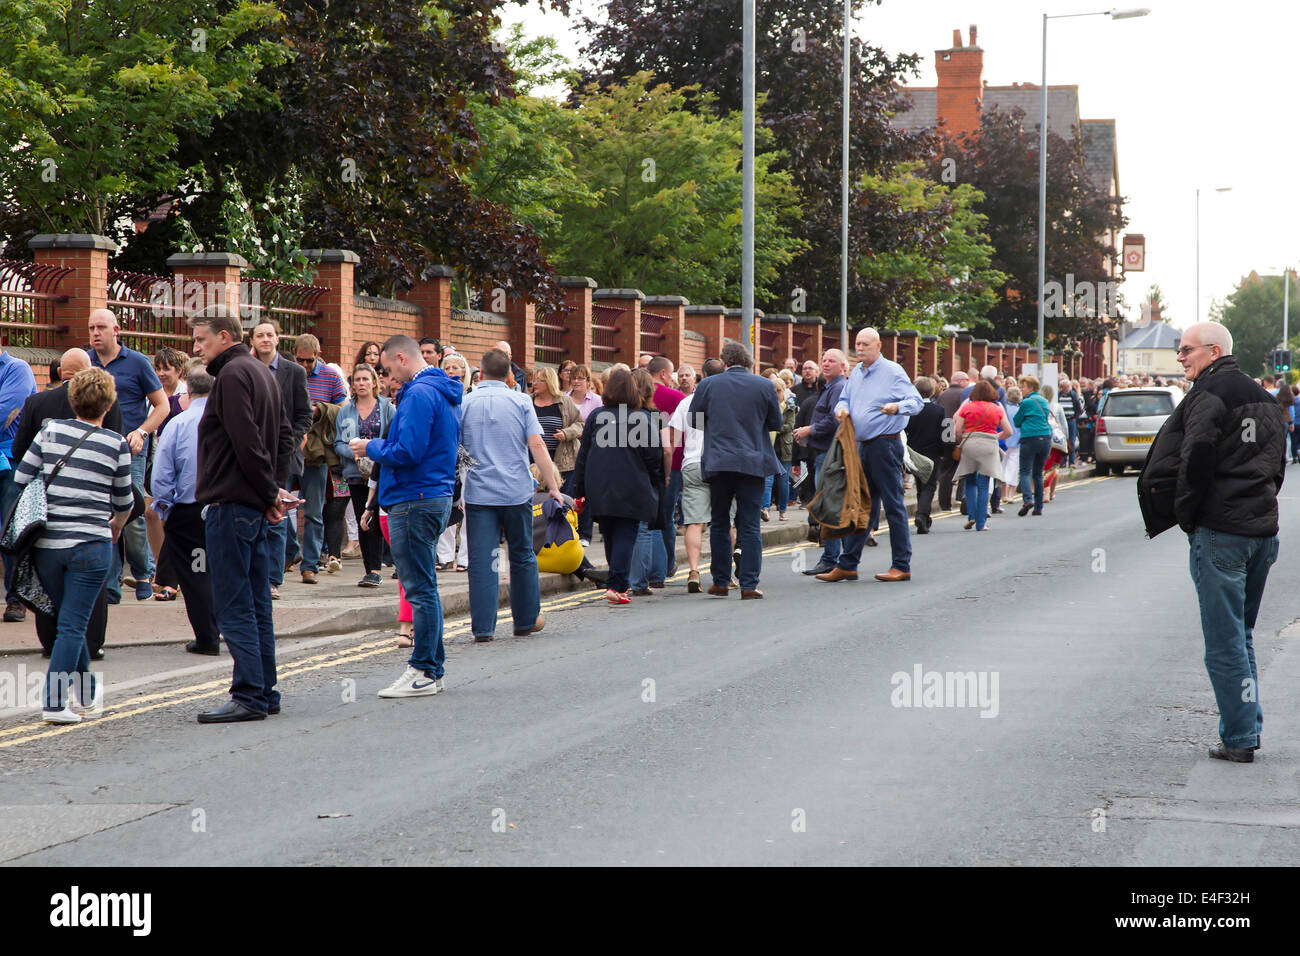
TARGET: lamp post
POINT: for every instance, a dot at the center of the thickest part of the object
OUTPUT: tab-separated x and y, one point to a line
747	203
1217	189
1042	157
844	191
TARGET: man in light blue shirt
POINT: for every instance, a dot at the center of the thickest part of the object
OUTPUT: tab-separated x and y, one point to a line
175	480
498	428
17	384
881	398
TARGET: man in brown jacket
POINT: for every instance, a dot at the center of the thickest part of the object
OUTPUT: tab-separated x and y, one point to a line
243	436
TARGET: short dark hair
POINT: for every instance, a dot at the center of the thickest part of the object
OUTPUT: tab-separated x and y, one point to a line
712	366
645	386
733	354
198	381
983	391
658	364
430	340
495	364
401	343
168	357
925	386
219	318
621	390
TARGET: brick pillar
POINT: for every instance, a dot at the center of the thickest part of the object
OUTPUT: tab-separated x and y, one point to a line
909	341
962	351
929	362
221	273
86	287
979	353
433	295
710	322
522	313
334	328
888	343
815	325
782	323
733	329
674	330
627	340
1031	357
577	320
947	355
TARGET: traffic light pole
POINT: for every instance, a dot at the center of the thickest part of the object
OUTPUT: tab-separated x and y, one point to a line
1286	305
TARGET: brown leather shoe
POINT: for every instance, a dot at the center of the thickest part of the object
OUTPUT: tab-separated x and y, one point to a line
753	595
893	574
838	574
541	623
718	590
309	577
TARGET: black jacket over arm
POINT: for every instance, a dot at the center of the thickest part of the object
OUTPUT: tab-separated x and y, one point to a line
925	430
296	405
52	403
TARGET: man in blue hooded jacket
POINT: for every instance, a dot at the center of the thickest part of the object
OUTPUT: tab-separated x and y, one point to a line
416	484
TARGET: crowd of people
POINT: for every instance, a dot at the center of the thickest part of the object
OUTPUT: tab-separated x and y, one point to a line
424	460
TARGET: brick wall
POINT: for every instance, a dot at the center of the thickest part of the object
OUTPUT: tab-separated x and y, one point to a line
375	319
693	350
474	333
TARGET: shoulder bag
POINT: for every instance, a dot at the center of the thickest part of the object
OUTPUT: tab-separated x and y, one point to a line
25	522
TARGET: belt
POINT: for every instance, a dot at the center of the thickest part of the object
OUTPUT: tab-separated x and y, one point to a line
868	441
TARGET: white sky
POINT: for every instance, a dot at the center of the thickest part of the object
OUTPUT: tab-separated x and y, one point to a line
1199	92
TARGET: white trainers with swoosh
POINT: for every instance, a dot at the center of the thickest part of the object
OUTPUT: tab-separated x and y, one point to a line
413	683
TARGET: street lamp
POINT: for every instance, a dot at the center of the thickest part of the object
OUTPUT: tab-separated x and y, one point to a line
1217	189
747	202
1042	157
844	192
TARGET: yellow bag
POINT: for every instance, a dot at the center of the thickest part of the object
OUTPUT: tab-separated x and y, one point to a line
564	558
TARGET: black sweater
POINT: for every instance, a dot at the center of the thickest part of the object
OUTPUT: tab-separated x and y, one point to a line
243	435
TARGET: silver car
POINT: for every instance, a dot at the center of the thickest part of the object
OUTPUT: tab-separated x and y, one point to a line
1127	423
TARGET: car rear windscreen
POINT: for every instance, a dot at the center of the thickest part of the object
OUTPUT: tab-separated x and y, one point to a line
1139	404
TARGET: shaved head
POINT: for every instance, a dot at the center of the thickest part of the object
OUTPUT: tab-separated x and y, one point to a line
959	377
73	361
107	315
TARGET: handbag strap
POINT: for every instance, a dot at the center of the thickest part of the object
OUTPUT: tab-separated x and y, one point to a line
58	465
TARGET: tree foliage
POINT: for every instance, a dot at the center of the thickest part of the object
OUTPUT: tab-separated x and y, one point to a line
667	188
698	43
1253	314
1001	161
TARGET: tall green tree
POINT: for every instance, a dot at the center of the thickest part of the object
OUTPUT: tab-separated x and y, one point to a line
933	285
667	188
1000	159
697	43
1253	314
95	98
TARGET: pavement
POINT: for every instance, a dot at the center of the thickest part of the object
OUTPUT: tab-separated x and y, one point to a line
336	605
690	730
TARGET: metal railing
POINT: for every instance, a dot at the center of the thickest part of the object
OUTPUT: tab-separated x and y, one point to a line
548	337
151	312
799	345
603	331
652	337
766	343
28	294
291	305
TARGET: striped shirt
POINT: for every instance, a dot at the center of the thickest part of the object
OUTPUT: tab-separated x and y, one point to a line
324	385
95	482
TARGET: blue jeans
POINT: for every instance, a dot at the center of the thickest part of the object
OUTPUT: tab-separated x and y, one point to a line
1033	456
314	481
135	542
667	507
73	578
277	539
619	535
1074	438
832	548
9	492
781	484
238	562
484	525
649	560
1229	572
977	499
413	529
882	462
747	492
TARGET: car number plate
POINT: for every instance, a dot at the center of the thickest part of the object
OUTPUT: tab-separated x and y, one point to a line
1138	440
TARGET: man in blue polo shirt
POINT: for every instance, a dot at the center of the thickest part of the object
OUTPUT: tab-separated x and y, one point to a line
17	384
144	409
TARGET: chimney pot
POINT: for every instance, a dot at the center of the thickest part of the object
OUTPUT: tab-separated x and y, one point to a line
972	35
956	39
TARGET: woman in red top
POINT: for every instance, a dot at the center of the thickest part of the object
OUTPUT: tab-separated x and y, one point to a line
977	426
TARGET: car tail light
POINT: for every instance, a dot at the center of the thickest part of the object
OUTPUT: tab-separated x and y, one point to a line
1101	426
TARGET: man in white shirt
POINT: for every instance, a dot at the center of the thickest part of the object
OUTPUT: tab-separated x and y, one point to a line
697	506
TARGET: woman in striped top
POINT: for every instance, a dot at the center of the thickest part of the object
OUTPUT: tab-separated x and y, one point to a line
88	503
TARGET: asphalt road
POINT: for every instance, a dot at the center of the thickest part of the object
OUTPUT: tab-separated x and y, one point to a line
692	730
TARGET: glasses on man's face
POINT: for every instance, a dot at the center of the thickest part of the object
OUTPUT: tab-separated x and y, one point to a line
1188	349
309	362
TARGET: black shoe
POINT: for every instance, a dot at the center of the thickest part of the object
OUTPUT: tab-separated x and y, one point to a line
872	542
657	585
193	648
96	655
1024	509
819	569
1036	513
640	592
921	528
1233	755
996	511
231	712
272	710
15	612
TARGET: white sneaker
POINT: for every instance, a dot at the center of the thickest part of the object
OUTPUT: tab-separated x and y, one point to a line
334	565
96	703
413	683
64	716
584	542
